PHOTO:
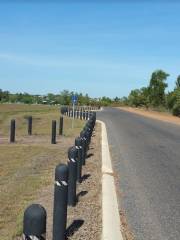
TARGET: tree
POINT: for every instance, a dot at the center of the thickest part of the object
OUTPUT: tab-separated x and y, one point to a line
134	98
157	88
178	82
124	101
144	96
105	101
173	98
65	97
139	97
176	98
116	99
170	100
176	107
4	96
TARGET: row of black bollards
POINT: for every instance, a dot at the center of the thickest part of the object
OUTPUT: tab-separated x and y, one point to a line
69	109
29	129
66	178
78	114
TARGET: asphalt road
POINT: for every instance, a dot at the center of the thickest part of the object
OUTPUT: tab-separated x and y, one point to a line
146	157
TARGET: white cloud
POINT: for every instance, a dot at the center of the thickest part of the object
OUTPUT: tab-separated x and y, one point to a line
72	62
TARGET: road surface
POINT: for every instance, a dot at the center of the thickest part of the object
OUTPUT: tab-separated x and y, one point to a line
146	158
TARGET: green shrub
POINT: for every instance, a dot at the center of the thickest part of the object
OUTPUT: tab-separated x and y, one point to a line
176	110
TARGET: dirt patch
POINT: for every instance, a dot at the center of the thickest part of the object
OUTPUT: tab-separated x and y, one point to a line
162	116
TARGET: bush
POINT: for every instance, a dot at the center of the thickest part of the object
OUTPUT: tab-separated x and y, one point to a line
176	110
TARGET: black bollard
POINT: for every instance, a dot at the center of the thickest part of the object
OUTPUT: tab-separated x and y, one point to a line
83	140
81	114
53	133
90	114
72	166
30	125
78	114
86	115
87	135
61	126
78	144
34	223
60	202
12	131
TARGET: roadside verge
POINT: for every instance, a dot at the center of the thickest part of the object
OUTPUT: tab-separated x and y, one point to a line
161	116
111	225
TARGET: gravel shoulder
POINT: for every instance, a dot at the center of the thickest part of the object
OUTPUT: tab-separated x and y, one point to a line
84	220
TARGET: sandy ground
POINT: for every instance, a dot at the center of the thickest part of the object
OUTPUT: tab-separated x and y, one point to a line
84	220
166	117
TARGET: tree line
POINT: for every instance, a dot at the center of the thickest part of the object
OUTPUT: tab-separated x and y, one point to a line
63	98
154	95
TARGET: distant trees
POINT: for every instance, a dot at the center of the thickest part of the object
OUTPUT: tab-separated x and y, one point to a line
105	101
63	98
154	94
4	96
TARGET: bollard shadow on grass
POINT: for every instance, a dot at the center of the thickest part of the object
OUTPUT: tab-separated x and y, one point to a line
74	227
81	194
85	176
89	155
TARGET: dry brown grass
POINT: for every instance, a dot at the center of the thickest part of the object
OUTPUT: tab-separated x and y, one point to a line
27	166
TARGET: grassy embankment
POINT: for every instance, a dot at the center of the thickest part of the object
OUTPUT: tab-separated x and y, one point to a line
27	166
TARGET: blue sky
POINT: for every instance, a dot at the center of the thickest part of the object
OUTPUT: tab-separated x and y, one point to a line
96	48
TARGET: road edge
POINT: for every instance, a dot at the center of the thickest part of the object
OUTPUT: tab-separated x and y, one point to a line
111	224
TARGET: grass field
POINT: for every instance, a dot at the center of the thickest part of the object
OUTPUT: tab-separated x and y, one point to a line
27	166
